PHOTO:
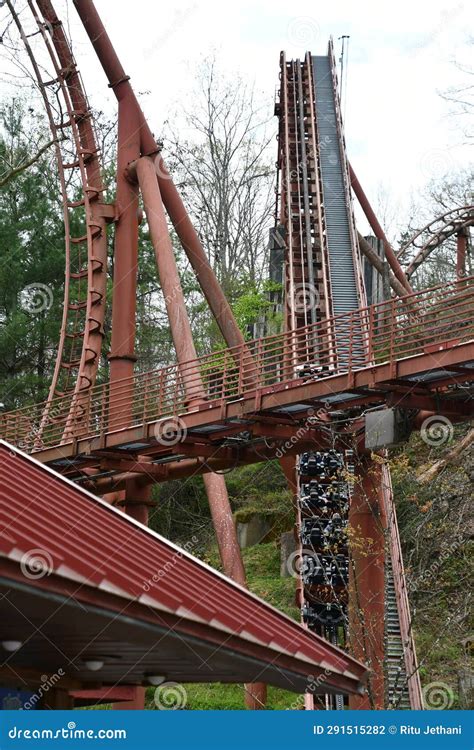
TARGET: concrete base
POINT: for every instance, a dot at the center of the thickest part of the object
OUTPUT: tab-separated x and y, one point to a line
287	548
254	531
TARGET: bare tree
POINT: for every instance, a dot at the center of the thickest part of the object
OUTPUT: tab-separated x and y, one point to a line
461	96
226	174
440	196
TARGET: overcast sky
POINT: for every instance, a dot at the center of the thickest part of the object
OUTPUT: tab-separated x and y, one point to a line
401	55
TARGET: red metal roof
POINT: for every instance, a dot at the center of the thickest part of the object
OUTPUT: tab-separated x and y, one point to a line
97	555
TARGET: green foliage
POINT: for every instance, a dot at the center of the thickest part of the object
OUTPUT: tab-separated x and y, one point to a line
182	510
31	261
435	523
217	696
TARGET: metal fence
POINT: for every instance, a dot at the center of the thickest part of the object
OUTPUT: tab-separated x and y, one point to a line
385	333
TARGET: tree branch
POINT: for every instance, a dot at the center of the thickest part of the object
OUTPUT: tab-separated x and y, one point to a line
21	167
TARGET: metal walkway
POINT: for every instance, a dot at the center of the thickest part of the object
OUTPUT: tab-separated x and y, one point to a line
398	696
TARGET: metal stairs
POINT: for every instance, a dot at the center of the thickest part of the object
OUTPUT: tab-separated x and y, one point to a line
398	696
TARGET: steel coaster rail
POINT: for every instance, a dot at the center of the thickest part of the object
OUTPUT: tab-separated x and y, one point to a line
78	166
438	223
438	230
406	632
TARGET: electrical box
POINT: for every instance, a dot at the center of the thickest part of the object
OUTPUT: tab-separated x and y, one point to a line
386	427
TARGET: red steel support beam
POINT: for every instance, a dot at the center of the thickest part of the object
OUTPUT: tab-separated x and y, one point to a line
122	347
93	333
185	352
189	239
367	581
216	489
378	231
136	498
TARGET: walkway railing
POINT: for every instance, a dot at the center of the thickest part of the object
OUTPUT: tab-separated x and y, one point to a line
385	333
402	601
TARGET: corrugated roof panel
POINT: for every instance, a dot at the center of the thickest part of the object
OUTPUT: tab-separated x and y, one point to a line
85	539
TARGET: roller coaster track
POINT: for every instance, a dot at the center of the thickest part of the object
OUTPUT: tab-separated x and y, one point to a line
431	236
335	354
323	278
79	169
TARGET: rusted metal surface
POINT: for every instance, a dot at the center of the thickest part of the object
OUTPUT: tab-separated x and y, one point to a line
454	222
301	208
406	335
185	230
91	263
354	359
378	231
78	163
122	347
367	581
109	561
403	605
461	252
190	376
193	386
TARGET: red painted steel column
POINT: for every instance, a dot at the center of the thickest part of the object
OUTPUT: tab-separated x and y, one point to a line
122	347
136	498
197	257
367	580
378	231
172	200
185	351
461	248
182	223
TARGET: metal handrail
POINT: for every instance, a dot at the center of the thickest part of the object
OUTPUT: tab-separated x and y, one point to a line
399	328
401	595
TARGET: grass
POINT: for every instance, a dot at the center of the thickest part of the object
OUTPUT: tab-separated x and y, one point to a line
219	697
262	564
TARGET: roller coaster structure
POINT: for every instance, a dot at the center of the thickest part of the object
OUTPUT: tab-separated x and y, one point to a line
280	396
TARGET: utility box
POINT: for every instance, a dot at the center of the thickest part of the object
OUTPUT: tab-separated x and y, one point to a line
386	427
